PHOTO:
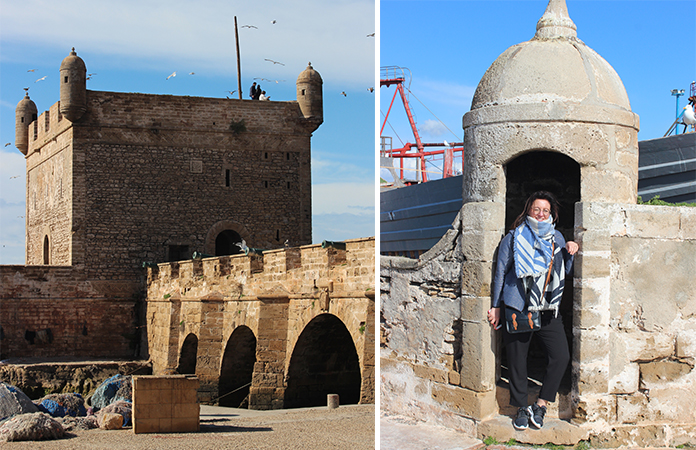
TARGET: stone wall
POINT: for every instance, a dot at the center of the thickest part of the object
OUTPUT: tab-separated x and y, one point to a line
55	311
634	328
274	295
635	323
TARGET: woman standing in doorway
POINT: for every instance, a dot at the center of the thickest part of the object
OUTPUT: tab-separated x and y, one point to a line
526	278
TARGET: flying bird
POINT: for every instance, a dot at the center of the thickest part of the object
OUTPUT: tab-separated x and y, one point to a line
249	26
41	79
242	245
231	92
31	70
371	89
274	62
172	75
266	79
273	22
16	176
192	73
9	143
90	75
371	35
343	93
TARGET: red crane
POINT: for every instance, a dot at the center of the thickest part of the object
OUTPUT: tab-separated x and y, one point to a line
396	75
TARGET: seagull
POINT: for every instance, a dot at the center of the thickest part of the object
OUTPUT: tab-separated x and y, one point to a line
273	22
231	92
192	73
371	89
90	75
31	70
343	93
249	26
41	79
9	143
688	118
266	79
242	245
287	243
16	176
172	75
447	144
274	62
371	35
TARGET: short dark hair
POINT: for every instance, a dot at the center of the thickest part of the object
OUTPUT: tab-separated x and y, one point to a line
543	195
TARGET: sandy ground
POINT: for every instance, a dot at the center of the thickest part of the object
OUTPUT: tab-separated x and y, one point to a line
347	427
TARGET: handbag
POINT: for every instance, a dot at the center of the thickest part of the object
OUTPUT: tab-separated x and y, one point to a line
525	321
521	321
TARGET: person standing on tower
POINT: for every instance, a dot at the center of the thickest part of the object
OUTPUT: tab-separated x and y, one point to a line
252	91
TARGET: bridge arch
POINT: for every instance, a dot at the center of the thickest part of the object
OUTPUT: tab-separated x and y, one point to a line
188	355
324	361
237	368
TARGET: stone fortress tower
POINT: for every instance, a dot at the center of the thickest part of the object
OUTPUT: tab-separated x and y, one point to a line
117	180
552	114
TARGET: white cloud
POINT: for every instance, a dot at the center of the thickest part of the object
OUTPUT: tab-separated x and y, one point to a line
434	128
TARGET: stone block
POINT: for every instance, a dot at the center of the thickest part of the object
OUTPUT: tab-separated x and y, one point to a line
686	343
592	378
626	381
479	245
185	425
592	264
592	293
483	216
660	372
476	278
593	408
631	408
647	221
687	228
185	410
589	317
591	345
478	357
429	373
600	217
631	436
146	425
646	346
477	405
606	185
594	240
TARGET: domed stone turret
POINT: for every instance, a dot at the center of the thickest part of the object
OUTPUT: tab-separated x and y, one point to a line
552	93
25	113
309	94
73	87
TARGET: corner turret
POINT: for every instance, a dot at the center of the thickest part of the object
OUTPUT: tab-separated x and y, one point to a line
25	113
73	87
309	94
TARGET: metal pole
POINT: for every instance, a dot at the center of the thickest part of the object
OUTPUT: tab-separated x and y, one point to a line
239	63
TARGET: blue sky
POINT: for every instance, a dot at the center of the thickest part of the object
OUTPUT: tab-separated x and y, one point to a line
133	45
448	45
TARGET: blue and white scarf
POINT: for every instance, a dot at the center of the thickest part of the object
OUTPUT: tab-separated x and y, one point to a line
533	250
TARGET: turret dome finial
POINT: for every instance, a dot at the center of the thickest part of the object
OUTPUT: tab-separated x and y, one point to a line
556	23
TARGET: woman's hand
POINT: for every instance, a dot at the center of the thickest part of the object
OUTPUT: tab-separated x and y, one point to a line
494	317
572	247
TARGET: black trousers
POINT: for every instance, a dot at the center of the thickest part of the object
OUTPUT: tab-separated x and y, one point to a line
554	340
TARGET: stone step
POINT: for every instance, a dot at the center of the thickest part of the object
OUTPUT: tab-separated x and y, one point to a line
562	408
554	431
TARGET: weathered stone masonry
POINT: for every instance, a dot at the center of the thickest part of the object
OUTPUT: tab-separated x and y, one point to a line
277	296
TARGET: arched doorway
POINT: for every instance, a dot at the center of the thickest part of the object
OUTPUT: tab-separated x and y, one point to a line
237	368
226	243
187	357
324	361
560	175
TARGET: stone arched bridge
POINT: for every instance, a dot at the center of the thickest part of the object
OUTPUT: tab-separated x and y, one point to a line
285	327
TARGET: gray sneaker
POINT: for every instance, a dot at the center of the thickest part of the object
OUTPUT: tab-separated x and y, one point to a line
522	420
537	414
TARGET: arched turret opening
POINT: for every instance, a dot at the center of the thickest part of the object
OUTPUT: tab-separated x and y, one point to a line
188	355
324	361
237	368
226	243
560	175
